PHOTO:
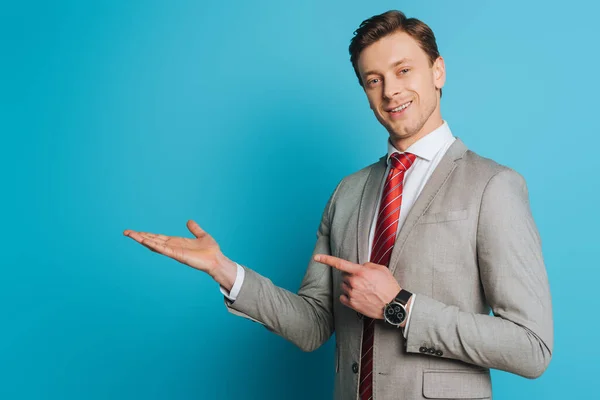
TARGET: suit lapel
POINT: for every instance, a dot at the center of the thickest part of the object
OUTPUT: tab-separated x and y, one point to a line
430	190
366	210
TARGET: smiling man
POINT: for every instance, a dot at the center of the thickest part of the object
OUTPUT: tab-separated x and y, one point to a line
428	263
403	84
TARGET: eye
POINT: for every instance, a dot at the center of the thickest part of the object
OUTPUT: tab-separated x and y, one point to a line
403	71
373	81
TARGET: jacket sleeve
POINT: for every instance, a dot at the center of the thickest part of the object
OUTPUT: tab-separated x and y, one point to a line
305	318
518	337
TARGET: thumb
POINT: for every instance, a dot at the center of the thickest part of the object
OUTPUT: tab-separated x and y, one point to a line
195	228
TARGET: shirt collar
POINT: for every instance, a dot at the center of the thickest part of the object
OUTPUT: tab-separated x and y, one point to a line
428	146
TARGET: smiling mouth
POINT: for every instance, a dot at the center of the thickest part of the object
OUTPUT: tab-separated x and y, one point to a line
401	107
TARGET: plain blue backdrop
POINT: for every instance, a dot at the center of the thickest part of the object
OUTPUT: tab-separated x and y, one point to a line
144	114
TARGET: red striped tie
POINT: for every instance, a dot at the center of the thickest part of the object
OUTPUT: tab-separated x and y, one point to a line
383	242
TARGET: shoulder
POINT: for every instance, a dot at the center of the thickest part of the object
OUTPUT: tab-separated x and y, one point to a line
350	189
363	173
497	184
359	178
487	170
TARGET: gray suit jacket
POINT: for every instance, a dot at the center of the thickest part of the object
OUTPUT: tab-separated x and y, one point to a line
469	246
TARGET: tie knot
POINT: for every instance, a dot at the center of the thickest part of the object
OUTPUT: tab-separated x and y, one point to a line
402	161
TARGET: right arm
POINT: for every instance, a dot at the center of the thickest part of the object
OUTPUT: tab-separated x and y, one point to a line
305	318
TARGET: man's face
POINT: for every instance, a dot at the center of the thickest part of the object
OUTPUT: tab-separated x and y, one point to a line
401	87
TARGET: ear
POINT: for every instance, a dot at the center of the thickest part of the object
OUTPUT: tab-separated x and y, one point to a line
439	73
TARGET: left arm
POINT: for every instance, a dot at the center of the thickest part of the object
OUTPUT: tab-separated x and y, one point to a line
518	338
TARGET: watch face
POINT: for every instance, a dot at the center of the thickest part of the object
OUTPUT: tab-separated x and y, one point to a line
395	314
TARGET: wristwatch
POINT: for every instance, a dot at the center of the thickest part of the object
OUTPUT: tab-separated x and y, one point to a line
394	313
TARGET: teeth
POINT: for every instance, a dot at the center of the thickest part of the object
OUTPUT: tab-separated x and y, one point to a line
402	107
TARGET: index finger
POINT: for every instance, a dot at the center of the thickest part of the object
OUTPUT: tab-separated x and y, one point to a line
337	263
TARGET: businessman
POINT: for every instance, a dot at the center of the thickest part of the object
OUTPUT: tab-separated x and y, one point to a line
428	263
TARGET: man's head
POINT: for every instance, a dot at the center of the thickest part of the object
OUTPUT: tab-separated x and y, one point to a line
397	63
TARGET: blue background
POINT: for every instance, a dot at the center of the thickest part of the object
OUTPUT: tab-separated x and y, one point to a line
144	114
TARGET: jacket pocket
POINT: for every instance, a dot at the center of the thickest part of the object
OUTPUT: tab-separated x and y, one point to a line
444	216
456	384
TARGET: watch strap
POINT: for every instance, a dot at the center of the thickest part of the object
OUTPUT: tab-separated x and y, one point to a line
403	296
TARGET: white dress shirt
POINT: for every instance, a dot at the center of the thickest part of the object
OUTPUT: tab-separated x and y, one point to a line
429	151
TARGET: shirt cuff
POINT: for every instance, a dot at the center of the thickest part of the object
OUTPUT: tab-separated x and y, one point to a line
237	285
405	329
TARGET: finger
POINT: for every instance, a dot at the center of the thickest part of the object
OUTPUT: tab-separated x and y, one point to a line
153	236
373	265
345	300
337	263
161	248
195	228
150	248
347	280
129	232
134	235
346	276
346	288
156	246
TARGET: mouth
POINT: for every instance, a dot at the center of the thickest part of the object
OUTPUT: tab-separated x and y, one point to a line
400	109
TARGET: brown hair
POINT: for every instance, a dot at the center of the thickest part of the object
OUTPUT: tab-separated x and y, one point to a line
379	26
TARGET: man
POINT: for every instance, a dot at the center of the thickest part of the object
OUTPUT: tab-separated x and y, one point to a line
423	243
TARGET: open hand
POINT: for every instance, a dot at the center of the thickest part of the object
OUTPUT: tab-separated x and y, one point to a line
202	253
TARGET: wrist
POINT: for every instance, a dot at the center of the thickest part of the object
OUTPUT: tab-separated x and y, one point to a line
407	307
389	296
396	311
224	272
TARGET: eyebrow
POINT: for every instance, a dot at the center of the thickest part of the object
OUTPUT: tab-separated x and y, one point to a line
394	65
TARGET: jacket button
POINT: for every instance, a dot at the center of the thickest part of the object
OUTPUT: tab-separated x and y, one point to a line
431	350
355	368
439	353
423	349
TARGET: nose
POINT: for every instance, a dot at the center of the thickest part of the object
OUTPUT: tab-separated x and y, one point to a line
391	89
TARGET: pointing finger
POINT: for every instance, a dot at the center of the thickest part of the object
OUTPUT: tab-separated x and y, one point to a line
337	263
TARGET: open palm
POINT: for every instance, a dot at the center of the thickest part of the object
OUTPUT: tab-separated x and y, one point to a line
202	253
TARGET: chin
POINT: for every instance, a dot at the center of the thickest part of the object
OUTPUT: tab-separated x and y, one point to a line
401	132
